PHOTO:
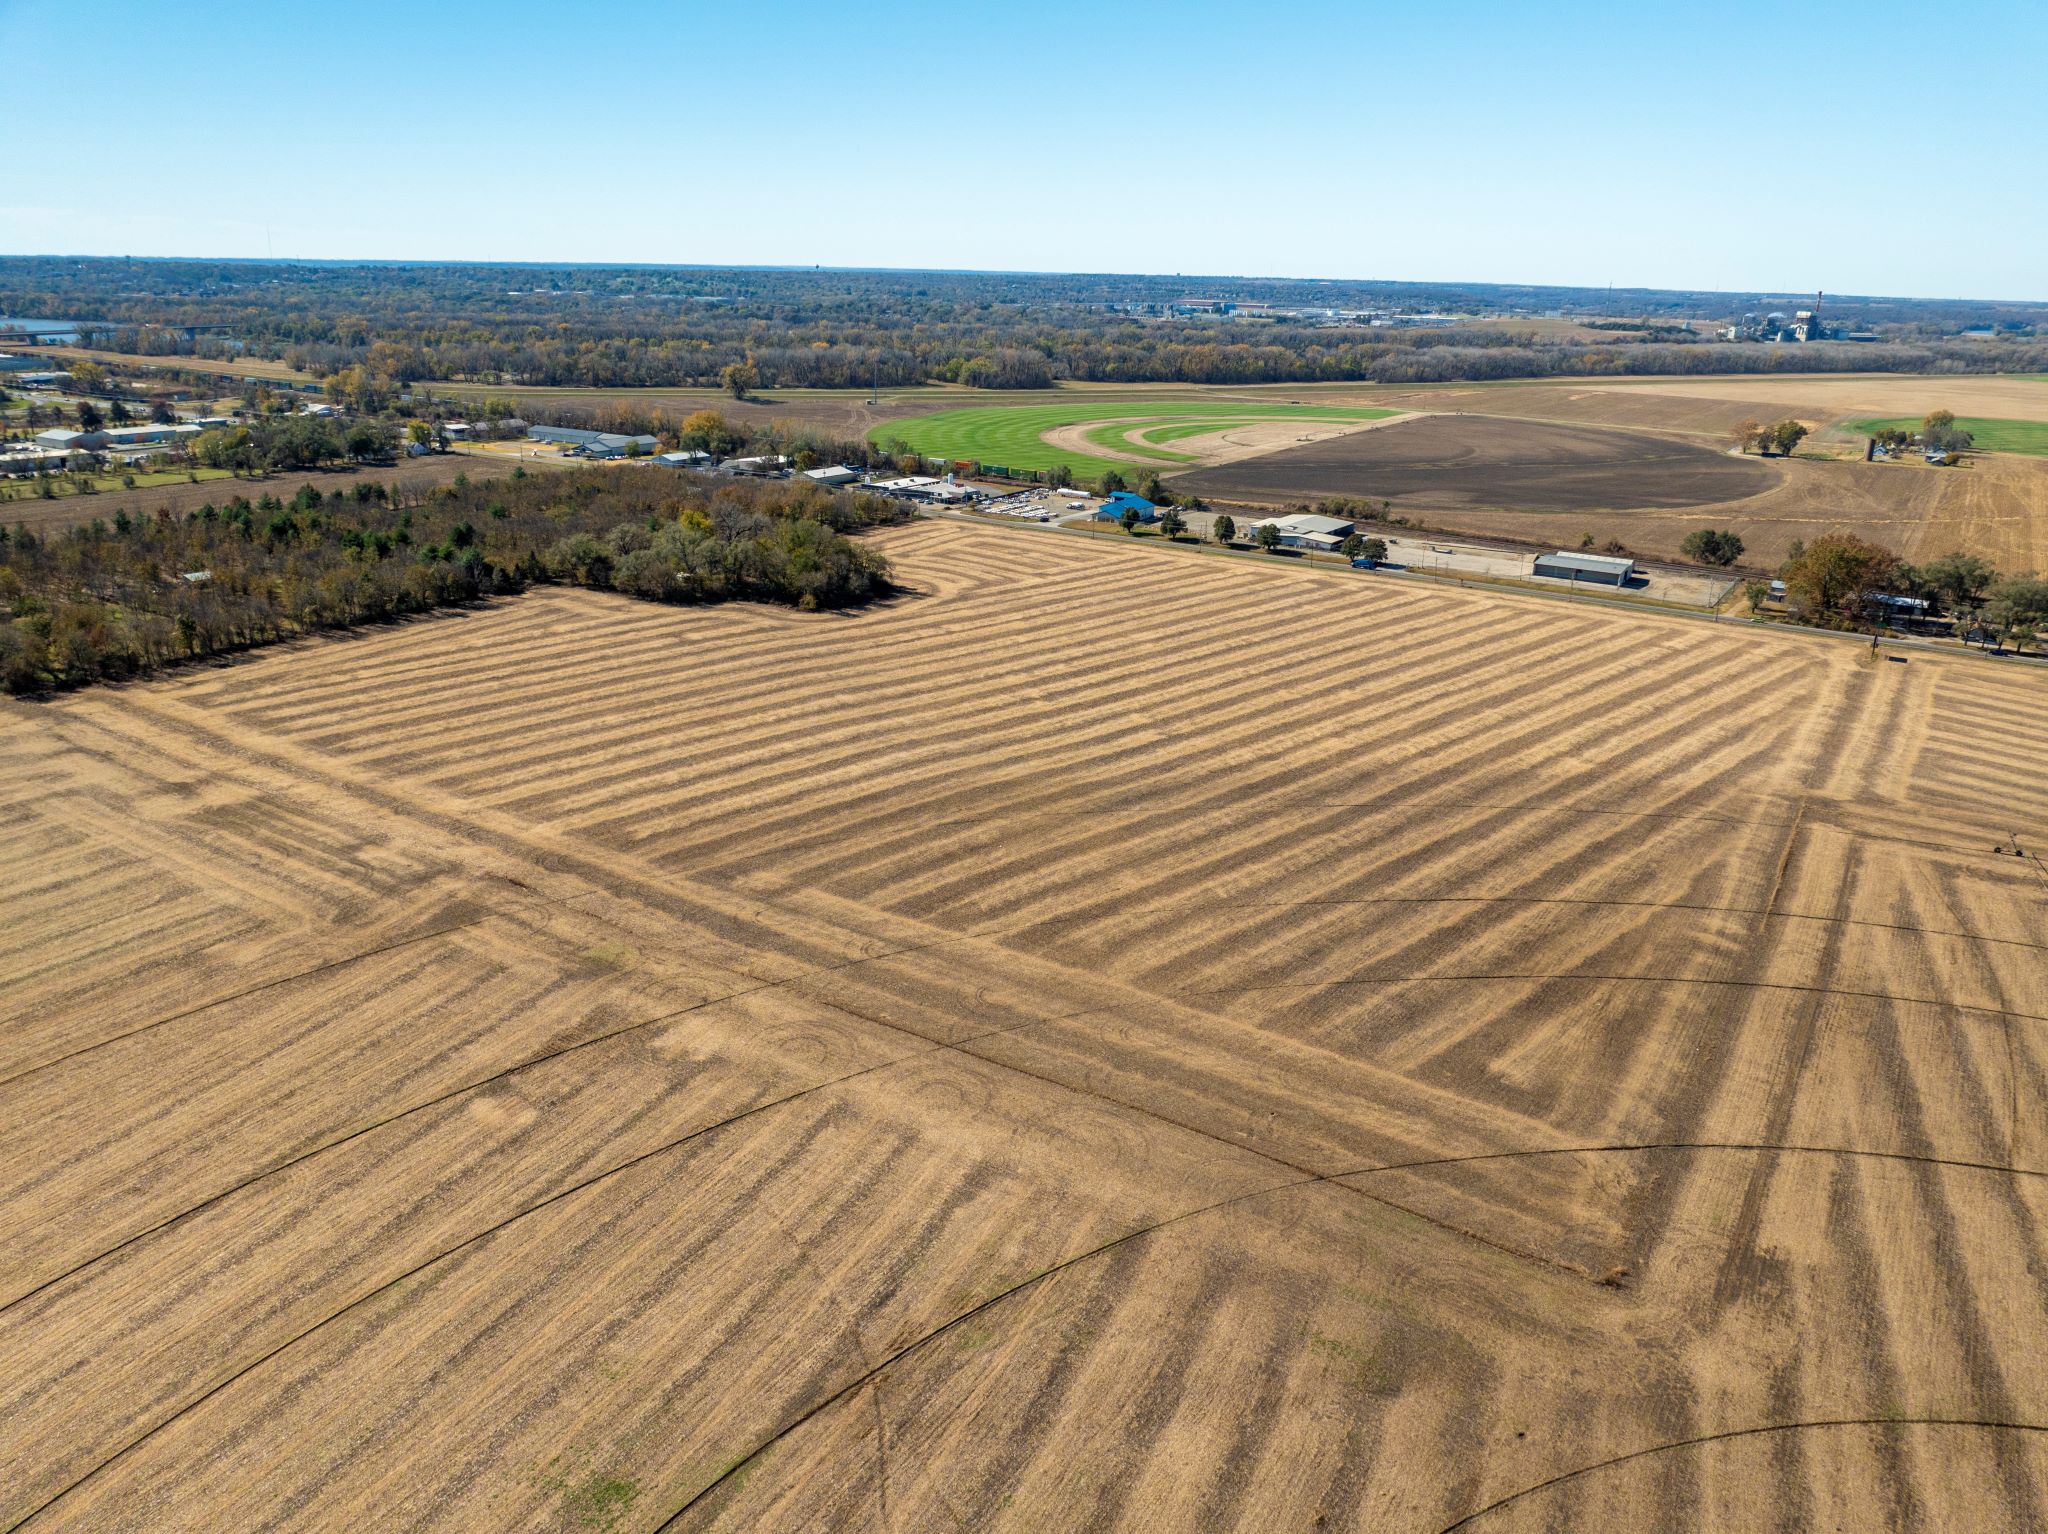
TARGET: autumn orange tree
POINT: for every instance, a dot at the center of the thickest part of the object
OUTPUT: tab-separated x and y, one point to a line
1829	577
706	431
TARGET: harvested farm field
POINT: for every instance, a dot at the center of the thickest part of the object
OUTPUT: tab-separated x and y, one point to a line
580	1063
2014	396
1994	506
1714	404
1589	403
1459	461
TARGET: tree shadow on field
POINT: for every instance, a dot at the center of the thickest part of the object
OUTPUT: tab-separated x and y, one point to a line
223	660
897	596
360	632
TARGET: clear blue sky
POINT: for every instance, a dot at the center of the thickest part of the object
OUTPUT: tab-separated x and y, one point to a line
1878	148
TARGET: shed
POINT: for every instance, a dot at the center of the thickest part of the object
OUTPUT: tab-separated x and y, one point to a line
1600	569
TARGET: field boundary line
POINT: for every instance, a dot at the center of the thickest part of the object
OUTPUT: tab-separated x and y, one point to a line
1571	975
482	1235
282	980
545	1058
1638	905
1755	1147
626	876
481	825
1742	1432
874	1373
1307	1178
1785	858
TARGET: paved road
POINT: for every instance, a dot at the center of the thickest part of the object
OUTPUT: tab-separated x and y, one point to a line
1336	569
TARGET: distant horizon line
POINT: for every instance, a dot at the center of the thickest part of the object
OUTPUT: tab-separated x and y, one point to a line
1788	294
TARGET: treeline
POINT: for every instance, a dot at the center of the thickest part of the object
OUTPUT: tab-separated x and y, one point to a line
1128	353
113	601
294	442
712	431
1839	581
634	327
1453	362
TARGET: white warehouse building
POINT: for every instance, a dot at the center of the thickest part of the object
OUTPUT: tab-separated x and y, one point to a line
1303	530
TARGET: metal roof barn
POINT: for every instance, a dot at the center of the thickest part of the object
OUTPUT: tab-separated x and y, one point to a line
1603	569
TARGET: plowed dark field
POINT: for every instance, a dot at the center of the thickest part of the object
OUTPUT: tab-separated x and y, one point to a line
1459	462
579	1065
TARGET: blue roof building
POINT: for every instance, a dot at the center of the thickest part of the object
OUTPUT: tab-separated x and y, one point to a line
1112	510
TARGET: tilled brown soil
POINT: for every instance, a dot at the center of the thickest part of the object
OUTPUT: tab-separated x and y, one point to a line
1037	1055
1456	462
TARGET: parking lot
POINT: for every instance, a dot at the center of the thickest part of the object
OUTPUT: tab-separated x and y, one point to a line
1035	505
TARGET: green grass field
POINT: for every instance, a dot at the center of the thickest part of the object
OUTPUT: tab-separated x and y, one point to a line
64	484
1012	436
1991	436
